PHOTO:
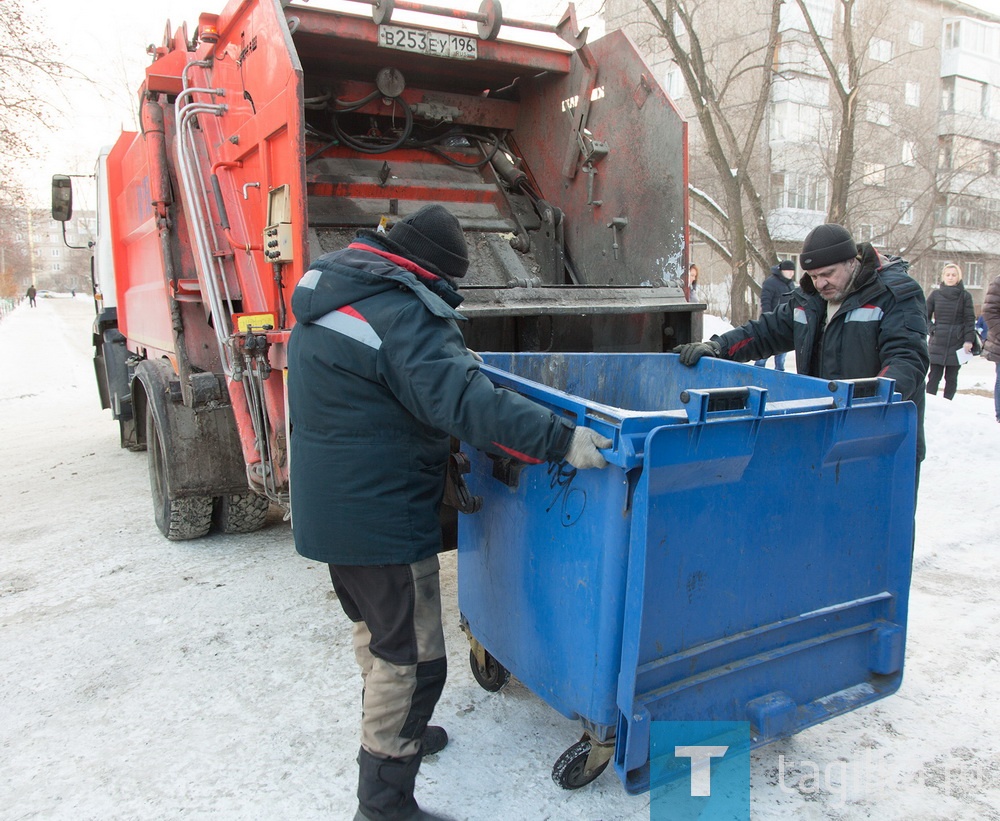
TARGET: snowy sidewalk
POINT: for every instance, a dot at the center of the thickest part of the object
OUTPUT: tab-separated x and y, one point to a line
214	679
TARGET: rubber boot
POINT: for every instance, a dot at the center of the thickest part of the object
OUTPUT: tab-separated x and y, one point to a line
385	789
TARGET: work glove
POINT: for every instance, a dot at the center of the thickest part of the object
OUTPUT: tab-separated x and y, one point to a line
583	450
693	351
475	356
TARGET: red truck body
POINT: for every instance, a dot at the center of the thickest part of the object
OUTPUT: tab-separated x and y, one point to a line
275	132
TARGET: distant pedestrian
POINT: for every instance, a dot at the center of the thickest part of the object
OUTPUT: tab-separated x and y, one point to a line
953	327
31	295
777	290
991	347
692	282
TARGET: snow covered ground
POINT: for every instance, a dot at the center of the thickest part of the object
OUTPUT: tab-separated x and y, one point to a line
144	679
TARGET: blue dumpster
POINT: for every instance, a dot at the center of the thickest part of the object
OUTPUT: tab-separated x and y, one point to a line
745	557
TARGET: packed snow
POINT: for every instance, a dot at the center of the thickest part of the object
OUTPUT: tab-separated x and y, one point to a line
146	679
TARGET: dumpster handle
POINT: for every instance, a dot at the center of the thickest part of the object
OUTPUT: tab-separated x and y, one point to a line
877	390
703	403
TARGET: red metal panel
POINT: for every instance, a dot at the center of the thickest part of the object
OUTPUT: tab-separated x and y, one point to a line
143	313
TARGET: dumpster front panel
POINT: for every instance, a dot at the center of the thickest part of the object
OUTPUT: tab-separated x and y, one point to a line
769	570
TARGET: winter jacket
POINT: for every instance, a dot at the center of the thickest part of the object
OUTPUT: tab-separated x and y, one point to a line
991	313
379	379
954	322
879	330
776	290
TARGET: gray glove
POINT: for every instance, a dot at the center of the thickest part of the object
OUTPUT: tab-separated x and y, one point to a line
583	450
693	351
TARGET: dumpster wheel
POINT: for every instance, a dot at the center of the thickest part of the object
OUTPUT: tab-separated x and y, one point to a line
581	763
491	674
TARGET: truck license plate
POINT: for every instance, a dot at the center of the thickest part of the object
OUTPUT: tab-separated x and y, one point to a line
435	43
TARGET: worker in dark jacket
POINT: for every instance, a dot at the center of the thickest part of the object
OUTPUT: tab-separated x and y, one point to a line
991	347
379	379
953	326
856	314
777	290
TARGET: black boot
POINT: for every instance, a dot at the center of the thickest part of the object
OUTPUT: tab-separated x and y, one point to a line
385	789
433	740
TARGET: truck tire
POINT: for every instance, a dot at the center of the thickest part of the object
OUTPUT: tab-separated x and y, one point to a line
241	512
177	519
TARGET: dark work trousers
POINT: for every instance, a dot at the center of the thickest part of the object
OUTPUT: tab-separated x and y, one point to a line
950	379
399	645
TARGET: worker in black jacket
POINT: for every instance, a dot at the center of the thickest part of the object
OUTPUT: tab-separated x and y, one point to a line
777	290
856	314
379	380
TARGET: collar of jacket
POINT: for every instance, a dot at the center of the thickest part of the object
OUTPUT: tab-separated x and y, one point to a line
419	279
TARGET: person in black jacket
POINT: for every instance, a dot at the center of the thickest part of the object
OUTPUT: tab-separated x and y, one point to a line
991	347
379	380
777	290
855	314
952	321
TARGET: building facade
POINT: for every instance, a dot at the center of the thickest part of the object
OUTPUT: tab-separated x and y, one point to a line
54	264
925	74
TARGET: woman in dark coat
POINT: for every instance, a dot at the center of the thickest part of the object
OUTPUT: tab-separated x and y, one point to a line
953	326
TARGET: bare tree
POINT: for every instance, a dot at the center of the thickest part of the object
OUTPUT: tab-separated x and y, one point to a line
730	102
28	63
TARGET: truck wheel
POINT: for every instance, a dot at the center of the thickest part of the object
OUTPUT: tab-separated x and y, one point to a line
177	519
241	512
570	769
493	676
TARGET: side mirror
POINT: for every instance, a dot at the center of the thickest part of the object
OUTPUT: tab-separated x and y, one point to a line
62	198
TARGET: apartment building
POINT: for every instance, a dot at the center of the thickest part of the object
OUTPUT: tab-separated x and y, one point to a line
925	175
55	266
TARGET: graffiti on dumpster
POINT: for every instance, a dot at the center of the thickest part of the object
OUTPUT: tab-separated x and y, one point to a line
571	500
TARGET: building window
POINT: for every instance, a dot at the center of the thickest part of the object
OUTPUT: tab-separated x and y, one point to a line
56	252
964	211
916	36
906	212
803	192
674	83
960	95
874	173
908	153
795	122
973	276
878	113
880	50
913	94
875	234
821	12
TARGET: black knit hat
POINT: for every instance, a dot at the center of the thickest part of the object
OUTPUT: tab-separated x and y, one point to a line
825	245
786	265
432	238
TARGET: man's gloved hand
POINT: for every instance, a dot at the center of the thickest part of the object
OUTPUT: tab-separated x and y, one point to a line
583	450
693	351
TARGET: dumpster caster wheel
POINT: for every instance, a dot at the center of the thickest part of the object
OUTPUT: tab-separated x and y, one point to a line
492	675
571	769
